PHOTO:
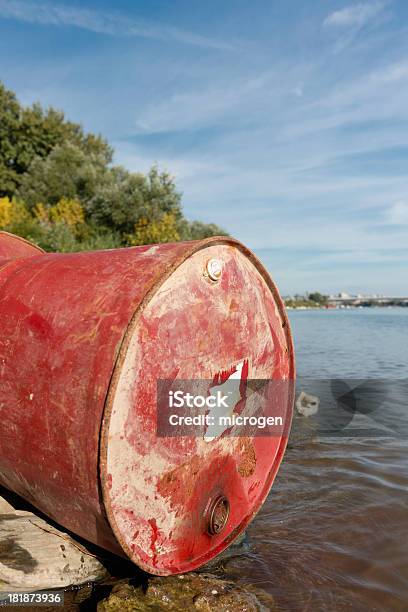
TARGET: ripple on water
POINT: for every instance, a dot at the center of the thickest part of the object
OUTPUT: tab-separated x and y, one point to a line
333	534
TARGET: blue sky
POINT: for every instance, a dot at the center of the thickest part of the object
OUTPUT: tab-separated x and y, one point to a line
285	122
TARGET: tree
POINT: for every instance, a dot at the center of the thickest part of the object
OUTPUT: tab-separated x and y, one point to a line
58	187
317	297
160	194
125	199
68	212
117	201
155	231
17	219
12	212
6	209
32	132
9	123
67	172
196	230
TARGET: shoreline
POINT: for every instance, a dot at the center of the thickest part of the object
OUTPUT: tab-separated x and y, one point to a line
347	307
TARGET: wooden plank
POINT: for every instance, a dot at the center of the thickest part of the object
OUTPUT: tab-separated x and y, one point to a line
35	555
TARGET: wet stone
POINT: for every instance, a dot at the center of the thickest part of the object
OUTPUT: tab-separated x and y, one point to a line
201	592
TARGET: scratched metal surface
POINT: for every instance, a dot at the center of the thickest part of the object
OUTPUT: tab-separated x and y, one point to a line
12	246
82	338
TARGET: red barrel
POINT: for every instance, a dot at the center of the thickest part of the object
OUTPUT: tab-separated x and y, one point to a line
84	337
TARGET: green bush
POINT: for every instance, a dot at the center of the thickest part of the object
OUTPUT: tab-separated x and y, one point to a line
50	170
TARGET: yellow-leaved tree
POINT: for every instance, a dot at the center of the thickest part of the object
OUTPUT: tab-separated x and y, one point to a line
5	212
66	211
13	212
154	231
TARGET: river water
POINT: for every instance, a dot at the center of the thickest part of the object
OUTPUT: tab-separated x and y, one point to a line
333	533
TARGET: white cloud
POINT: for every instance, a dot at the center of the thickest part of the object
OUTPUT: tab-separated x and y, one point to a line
181	168
102	23
349	22
188	110
398	213
380	95
220	101
356	15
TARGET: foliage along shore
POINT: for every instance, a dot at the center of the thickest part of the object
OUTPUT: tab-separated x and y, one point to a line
312	300
60	189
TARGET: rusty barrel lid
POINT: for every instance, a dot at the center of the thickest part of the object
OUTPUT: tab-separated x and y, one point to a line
175	502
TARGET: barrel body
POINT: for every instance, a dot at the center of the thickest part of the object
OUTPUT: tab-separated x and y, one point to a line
84	337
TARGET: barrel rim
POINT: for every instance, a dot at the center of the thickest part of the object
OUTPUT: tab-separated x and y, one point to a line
196	246
16	238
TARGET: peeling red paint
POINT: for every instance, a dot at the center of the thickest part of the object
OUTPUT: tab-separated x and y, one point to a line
83	339
154	537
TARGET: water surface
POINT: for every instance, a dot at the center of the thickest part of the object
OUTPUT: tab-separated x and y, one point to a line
333	534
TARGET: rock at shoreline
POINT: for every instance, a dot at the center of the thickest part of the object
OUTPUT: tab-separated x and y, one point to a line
201	592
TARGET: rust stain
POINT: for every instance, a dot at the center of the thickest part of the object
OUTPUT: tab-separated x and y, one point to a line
179	483
247	464
234	306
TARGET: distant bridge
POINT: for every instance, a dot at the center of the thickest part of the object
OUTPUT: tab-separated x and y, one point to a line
361	300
